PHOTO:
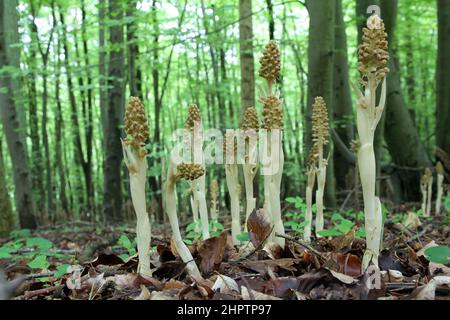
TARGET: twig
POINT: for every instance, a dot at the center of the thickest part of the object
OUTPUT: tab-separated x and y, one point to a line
303	244
347	198
417	236
31	294
256	249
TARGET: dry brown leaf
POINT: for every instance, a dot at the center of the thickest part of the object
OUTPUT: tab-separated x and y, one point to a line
259	227
211	252
262	266
249	294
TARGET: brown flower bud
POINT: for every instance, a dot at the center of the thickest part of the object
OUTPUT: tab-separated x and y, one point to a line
320	126
439	168
190	171
373	51
193	117
250	120
270	63
136	126
272	113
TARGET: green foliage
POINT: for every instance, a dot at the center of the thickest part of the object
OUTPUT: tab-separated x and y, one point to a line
20	234
61	270
243	237
446	203
126	243
439	254
40	262
40	243
341	227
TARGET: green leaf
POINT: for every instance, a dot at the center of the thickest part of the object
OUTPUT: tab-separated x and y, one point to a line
5	253
193	235
329	233
337	217
191	226
41	243
215	234
40	262
187	241
61	270
218	225
439	254
123	256
24	233
125	242
361	233
243	237
345	226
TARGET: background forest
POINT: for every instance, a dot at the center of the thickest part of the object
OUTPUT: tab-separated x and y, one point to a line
67	69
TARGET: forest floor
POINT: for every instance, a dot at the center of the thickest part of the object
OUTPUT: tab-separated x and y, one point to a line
77	262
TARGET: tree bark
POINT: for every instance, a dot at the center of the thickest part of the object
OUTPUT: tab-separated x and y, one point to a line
246	54
13	115
134	72
442	77
6	213
400	133
112	192
342	104
320	74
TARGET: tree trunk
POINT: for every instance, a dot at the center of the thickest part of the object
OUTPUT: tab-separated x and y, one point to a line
59	125
400	133
320	74
89	118
246	54
134	72
6	214
78	147
342	104
37	171
12	114
112	192
271	19
442	77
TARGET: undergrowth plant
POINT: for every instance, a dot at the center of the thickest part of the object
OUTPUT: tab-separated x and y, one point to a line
273	123
440	187
135	156
373	59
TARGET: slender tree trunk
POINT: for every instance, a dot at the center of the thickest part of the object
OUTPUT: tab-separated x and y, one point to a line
6	213
271	19
37	170
400	133
89	118
134	72
246	54
12	114
342	104
59	125
320	74
112	188
442	77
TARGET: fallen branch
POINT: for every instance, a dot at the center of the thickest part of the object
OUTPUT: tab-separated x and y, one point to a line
303	244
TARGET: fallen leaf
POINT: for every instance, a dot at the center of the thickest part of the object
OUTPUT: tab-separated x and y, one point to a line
314	278
170	270
259	227
284	287
428	291
211	252
343	277
347	264
262	266
249	294
273	250
144	295
412	221
345	241
106	260
225	285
